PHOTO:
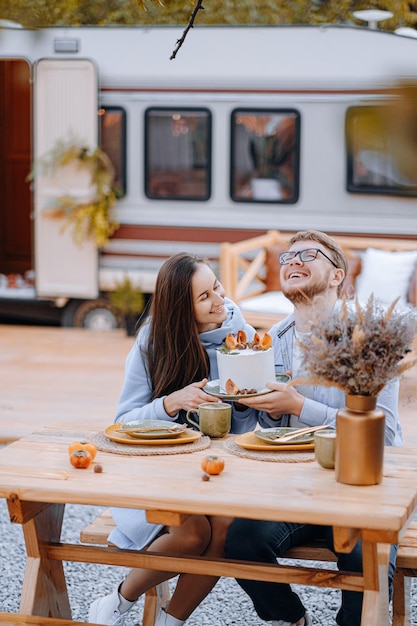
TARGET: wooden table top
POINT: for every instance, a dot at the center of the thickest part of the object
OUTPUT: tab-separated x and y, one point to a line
36	468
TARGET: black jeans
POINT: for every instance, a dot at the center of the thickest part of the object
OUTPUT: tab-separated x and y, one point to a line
256	540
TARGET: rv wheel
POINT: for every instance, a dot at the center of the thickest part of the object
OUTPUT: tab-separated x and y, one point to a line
95	315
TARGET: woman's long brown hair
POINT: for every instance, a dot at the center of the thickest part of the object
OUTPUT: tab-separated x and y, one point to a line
175	355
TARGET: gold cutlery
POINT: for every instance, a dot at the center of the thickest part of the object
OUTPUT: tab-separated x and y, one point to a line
300	432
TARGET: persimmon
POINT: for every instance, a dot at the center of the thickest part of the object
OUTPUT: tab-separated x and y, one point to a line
80	445
80	458
231	388
212	465
230	342
256	339
266	342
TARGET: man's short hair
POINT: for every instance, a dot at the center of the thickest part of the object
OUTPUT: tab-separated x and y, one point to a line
336	252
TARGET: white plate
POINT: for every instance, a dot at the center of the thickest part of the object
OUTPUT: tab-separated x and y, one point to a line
213	388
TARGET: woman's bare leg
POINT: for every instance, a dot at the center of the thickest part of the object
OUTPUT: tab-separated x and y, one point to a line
192	537
191	589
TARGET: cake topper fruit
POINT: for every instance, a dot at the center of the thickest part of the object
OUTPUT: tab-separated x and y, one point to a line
231	388
240	342
266	341
230	342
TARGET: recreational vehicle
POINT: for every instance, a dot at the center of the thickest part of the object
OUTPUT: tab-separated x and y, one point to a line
247	129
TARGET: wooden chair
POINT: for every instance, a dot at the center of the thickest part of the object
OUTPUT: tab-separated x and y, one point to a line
244	275
249	271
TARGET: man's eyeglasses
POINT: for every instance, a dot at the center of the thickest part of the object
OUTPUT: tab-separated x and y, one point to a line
307	255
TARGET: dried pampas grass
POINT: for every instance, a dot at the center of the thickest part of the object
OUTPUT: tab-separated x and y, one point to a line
359	348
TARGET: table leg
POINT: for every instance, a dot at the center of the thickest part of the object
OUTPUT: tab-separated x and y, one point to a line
44	588
375	610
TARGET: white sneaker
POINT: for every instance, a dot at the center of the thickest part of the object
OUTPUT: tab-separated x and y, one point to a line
281	622
107	610
165	619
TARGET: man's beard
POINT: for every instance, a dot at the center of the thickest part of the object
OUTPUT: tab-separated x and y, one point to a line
306	295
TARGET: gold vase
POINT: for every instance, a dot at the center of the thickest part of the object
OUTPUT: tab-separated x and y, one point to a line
360	435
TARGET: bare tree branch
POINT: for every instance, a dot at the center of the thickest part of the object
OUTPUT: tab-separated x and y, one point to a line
190	24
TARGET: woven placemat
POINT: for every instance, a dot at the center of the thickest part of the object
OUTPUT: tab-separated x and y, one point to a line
278	457
105	444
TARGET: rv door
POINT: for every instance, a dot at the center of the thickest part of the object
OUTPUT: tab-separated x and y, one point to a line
65	111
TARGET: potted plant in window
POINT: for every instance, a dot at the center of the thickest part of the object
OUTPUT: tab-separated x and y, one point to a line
129	302
272	155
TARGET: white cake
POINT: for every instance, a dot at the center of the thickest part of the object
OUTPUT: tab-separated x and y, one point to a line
248	369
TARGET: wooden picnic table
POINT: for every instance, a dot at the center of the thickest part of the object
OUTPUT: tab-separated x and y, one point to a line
37	480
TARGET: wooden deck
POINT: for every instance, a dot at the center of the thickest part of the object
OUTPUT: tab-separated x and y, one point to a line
55	376
68	376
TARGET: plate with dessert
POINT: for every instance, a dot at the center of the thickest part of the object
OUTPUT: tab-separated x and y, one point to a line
234	393
244	366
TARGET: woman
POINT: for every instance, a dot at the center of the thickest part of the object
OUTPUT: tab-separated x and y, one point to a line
173	358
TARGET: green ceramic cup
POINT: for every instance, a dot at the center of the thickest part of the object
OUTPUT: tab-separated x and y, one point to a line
214	418
325	447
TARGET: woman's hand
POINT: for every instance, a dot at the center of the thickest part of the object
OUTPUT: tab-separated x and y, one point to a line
283	399
189	398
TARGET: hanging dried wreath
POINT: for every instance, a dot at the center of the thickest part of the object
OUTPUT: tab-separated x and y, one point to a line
92	217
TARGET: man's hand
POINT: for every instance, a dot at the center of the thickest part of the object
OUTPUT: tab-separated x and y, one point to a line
283	399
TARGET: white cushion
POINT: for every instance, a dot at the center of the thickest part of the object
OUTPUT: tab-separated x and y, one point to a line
270	302
385	274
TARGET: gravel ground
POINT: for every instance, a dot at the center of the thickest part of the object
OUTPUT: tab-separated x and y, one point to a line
227	604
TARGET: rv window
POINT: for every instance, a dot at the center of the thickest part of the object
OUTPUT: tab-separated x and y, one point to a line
177	154
377	154
265	155
113	142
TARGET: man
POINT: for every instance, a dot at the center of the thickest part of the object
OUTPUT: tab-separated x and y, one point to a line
312	275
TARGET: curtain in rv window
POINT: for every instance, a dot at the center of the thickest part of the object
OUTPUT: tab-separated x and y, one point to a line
113	142
265	155
378	153
178	153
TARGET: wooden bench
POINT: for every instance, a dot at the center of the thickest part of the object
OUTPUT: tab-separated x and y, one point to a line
249	271
7	619
98	530
405	570
97	533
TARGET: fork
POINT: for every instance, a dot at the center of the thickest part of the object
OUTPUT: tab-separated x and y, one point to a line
300	432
